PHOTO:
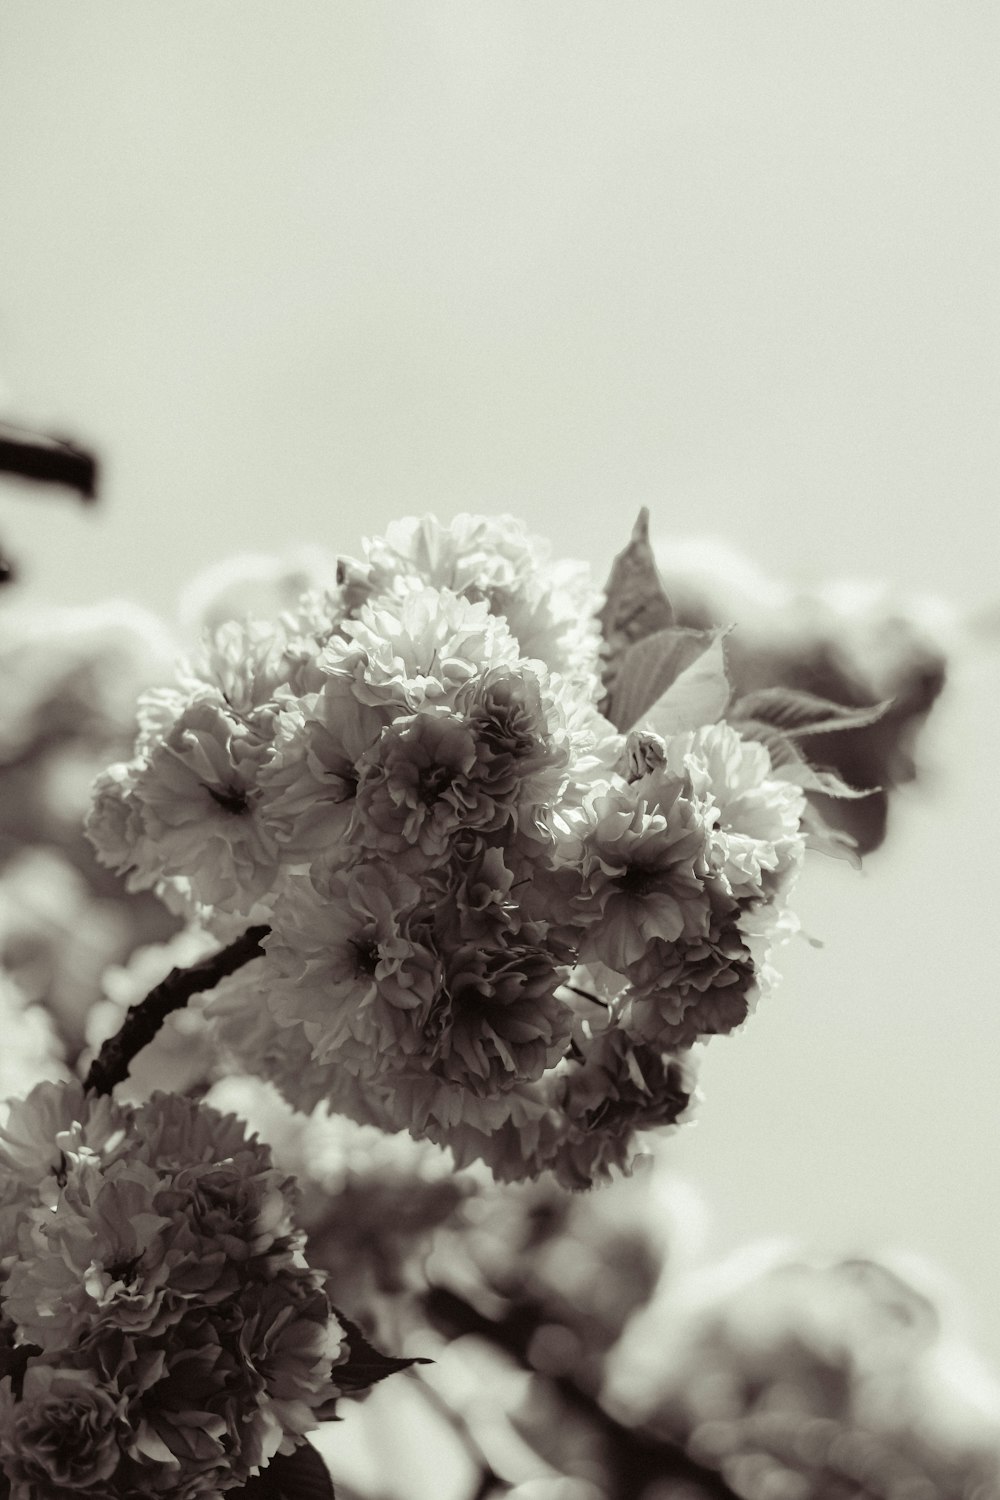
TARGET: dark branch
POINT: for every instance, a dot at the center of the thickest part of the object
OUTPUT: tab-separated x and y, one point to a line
635	1458
144	1020
32	455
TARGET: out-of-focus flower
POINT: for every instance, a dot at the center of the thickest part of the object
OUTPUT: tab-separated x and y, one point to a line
810	1380
71	676
68	685
30	1051
254	586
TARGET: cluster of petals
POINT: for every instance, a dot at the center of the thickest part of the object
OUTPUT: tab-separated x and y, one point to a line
163	1333
464	867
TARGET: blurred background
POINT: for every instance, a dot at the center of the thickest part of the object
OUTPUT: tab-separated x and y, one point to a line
296	270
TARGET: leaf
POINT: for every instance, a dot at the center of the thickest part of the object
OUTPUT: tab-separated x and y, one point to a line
779	747
818	779
301	1475
636	603
649	667
801	713
827	840
700	695
365	1365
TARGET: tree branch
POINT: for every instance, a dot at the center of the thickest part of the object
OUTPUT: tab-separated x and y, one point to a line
635	1458
34	455
144	1020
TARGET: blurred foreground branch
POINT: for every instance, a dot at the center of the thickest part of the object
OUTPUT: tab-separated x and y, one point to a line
46	460
635	1459
49	460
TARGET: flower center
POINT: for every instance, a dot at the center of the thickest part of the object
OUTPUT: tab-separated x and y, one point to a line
232	799
434	781
367	955
638	881
125	1271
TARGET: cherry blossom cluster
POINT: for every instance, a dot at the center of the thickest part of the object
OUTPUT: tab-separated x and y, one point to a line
500	913
161	1332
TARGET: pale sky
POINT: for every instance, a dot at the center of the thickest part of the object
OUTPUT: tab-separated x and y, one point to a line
298	269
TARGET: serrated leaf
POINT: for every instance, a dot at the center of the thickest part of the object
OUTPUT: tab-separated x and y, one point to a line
827	840
301	1475
649	667
700	695
365	1365
818	779
776	742
636	603
801	713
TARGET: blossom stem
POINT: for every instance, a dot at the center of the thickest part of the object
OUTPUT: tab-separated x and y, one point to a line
144	1020
588	996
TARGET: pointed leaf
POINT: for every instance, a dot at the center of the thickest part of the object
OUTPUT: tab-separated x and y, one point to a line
649	667
782	750
365	1365
801	713
700	695
818	779
301	1475
636	603
827	840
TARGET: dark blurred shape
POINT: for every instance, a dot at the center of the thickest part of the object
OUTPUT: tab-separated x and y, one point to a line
859	657
42	459
547	1281
48	460
880	755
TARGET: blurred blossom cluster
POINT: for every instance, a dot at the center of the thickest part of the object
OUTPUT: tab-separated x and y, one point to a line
582	1358
30	1050
499	917
69	679
812	1381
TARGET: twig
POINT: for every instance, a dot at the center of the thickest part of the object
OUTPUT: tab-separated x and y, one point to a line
144	1020
33	455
